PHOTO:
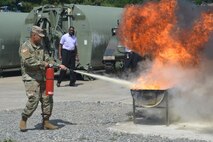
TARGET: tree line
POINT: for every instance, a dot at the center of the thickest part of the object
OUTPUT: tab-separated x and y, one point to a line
27	5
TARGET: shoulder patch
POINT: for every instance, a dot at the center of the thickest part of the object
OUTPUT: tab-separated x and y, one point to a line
25	53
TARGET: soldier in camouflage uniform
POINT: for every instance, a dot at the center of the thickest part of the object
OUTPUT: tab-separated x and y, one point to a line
33	63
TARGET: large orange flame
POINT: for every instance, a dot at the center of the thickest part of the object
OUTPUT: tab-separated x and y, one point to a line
152	29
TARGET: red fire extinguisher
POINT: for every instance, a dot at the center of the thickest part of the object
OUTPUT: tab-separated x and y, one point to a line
49	80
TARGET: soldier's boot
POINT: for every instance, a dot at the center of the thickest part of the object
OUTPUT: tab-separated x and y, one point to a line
23	124
49	126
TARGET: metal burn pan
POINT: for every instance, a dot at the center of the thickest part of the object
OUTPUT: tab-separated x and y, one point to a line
148	98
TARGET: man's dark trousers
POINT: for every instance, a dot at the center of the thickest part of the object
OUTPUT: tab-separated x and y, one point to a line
68	59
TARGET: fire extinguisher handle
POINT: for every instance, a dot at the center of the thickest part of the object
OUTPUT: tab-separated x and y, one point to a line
50	65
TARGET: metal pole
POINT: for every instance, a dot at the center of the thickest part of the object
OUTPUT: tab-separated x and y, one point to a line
167	109
42	109
133	109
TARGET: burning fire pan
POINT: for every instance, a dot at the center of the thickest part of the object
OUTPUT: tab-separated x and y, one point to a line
149	99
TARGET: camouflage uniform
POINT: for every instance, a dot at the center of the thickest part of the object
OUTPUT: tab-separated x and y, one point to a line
33	61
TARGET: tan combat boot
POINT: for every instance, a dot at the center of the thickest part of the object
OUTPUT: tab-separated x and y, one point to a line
23	124
48	125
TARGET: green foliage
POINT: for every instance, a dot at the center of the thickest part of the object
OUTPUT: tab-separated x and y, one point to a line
27	5
198	2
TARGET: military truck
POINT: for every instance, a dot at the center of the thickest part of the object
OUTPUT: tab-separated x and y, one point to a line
114	55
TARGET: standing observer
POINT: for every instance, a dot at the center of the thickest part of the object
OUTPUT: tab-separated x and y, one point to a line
34	61
68	54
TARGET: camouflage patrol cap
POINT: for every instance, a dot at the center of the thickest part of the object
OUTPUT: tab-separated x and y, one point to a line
38	30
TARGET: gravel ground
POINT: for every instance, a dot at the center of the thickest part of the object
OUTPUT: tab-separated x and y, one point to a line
78	122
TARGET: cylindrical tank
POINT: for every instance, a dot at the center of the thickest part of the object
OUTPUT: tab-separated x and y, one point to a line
49	81
93	25
11	24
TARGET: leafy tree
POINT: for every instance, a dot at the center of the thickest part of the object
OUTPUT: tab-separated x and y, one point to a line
198	2
27	5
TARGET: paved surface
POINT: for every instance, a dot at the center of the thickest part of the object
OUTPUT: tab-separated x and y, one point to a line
12	97
12	94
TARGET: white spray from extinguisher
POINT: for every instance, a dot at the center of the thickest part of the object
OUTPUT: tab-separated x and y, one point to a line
113	80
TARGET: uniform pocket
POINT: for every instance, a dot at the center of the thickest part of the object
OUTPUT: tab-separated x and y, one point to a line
31	87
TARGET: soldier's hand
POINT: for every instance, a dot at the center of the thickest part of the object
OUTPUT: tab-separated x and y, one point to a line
59	57
63	67
46	64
